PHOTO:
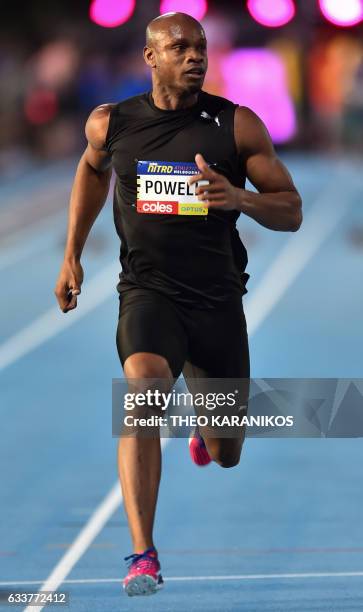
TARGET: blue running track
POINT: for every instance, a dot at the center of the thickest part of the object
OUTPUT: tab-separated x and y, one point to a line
280	532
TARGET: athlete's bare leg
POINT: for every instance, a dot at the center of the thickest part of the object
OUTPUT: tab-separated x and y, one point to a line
139	459
225	451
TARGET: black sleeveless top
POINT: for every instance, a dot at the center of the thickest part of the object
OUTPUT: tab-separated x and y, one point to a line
195	260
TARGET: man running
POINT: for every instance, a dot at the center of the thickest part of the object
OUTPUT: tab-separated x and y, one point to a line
183	263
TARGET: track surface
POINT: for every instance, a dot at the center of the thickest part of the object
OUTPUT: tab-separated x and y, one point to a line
280	532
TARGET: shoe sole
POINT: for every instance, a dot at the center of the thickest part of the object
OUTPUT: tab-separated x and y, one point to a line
142	585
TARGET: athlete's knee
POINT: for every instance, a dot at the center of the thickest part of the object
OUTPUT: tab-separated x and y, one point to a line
146	365
228	461
225	453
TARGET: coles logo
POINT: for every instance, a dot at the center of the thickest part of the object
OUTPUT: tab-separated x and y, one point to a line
166	208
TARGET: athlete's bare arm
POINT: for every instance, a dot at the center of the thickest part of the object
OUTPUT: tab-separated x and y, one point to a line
277	206
89	193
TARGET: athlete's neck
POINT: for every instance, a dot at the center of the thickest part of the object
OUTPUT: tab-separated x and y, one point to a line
165	99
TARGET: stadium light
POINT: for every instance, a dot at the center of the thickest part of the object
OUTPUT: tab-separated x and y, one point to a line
195	8
342	13
271	13
111	13
257	78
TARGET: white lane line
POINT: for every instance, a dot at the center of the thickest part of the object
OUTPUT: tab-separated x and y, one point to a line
86	536
296	576
39	236
41	233
319	222
26	242
270	576
52	322
88	533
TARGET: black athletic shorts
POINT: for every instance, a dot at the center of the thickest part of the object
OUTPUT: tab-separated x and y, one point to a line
201	343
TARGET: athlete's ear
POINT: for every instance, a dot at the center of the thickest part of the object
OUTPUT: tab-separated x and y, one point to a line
149	57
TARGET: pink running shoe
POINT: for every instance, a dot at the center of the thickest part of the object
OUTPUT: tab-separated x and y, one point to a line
144	577
197	448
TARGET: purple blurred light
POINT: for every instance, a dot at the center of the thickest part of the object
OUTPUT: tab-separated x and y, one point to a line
111	13
195	8
342	13
256	78
272	13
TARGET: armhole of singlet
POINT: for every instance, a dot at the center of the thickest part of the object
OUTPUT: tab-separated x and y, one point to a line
111	128
239	154
233	109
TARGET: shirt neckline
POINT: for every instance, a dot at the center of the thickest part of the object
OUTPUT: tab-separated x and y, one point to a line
167	111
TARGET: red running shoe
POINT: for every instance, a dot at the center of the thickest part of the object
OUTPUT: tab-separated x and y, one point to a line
197	448
144	577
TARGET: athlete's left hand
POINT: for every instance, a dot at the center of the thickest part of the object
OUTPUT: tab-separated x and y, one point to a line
219	193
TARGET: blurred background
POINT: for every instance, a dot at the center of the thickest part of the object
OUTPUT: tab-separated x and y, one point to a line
298	64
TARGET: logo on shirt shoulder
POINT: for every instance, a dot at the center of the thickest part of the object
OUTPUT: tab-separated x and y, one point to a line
206	117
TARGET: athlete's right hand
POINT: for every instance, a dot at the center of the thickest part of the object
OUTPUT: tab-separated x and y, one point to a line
69	285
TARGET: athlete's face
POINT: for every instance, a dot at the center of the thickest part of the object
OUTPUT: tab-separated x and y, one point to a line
179	56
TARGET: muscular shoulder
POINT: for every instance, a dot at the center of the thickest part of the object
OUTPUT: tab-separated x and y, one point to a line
97	126
251	134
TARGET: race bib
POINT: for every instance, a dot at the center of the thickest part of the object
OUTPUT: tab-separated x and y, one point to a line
162	188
